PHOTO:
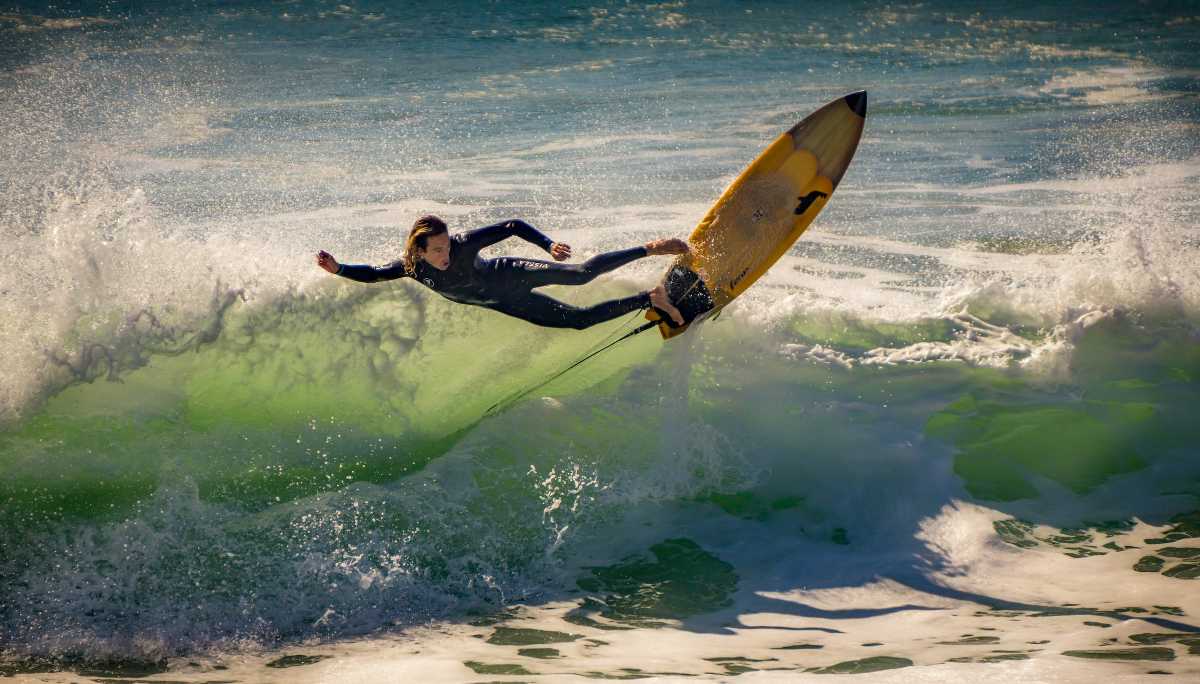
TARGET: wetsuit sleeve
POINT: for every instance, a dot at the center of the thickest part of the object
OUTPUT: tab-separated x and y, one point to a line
479	238
372	274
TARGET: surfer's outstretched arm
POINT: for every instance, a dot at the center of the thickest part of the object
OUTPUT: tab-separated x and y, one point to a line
487	236
361	272
372	274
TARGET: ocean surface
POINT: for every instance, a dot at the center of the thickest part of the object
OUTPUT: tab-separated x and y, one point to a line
952	436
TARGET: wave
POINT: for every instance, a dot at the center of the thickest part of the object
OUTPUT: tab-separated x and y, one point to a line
208	444
319	466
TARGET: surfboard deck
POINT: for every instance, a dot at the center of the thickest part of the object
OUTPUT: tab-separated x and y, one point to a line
763	212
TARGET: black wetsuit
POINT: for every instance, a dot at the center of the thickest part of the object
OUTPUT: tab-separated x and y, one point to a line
506	283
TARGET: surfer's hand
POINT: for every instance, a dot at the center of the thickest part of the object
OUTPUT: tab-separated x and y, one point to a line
667	246
560	251
326	261
662	302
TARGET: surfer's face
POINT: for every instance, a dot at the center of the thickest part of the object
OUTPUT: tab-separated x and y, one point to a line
437	251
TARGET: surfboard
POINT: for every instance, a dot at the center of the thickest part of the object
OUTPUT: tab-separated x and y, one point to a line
763	212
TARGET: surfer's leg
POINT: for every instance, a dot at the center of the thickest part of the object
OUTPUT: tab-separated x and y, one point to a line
551	313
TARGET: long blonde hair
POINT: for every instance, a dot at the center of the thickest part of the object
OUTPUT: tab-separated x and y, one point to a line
424	228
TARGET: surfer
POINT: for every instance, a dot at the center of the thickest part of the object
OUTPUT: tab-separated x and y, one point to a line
451	266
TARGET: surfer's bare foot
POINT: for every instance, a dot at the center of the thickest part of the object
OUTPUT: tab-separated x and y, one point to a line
658	297
667	246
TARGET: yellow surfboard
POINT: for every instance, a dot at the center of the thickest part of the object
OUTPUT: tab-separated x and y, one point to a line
763	212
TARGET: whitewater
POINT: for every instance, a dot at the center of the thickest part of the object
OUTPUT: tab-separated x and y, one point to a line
950	436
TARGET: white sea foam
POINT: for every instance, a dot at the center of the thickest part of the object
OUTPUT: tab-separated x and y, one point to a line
33	22
1147	178
101	268
1106	85
971	597
587	142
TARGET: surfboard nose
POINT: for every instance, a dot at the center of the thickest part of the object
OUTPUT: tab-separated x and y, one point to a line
858	102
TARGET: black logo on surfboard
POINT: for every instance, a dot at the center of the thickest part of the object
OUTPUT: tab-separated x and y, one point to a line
733	283
807	200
